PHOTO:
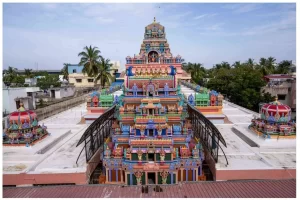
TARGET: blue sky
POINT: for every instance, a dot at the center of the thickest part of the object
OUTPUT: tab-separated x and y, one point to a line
53	34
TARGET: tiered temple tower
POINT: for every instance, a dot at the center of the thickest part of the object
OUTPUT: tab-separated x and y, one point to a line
152	140
155	54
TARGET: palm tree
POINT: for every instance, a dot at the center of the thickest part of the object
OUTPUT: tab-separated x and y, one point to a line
225	65
237	64
89	59
103	69
284	67
65	72
250	63
271	64
9	75
28	73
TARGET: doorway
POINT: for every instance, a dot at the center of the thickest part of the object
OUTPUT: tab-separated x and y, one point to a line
150	156
151	178
150	131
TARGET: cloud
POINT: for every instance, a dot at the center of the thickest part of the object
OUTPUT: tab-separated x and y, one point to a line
213	27
49	6
242	7
103	20
205	15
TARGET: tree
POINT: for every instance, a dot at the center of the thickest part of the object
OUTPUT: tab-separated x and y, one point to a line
90	59
65	71
271	64
250	63
103	69
224	65
9	75
28	73
284	67
47	81
237	64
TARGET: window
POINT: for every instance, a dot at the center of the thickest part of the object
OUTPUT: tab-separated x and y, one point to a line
281	97
74	70
78	80
90	80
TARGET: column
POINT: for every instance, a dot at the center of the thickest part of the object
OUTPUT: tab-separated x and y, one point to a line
197	177
131	181
106	175
186	175
194	174
171	177
181	174
117	174
109	175
122	176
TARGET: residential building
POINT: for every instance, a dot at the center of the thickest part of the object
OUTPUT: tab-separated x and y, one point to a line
284	86
61	92
13	96
30	81
79	79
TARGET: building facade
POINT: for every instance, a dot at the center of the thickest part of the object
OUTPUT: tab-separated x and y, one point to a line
13	96
283	86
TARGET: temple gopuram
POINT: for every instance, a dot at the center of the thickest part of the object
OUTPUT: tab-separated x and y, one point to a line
155	56
152	140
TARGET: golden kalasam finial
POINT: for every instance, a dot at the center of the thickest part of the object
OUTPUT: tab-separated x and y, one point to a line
154	20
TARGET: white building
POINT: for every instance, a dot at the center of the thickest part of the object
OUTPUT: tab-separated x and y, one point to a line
61	92
13	96
31	81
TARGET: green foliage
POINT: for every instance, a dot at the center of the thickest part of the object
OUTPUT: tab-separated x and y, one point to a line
40	73
90	59
65	72
104	68
48	80
28	73
241	82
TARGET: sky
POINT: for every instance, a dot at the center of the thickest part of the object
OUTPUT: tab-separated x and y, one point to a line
207	33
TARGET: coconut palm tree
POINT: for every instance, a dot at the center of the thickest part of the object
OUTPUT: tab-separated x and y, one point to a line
250	63
90	59
271	64
65	72
237	64
284	67
28	73
103	69
9	75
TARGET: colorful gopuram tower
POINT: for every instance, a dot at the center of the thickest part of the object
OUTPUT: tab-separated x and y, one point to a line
152	141
155	53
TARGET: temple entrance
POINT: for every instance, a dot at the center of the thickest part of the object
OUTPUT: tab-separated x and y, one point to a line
152	57
150	131
150	111
150	94
151	178
150	156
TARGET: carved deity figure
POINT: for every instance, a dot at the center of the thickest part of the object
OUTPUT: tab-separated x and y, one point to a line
144	88
166	89
134	89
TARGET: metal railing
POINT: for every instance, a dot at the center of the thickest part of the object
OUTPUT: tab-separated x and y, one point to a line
209	135
96	133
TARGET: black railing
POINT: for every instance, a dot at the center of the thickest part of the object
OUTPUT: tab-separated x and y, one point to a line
206	131
96	133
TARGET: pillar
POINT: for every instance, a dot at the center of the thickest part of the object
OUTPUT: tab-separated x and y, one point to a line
171	177
106	175
181	174
186	175
109	175
117	174
131	181
194	174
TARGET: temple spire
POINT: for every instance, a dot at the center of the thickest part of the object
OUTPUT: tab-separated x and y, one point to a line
154	20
